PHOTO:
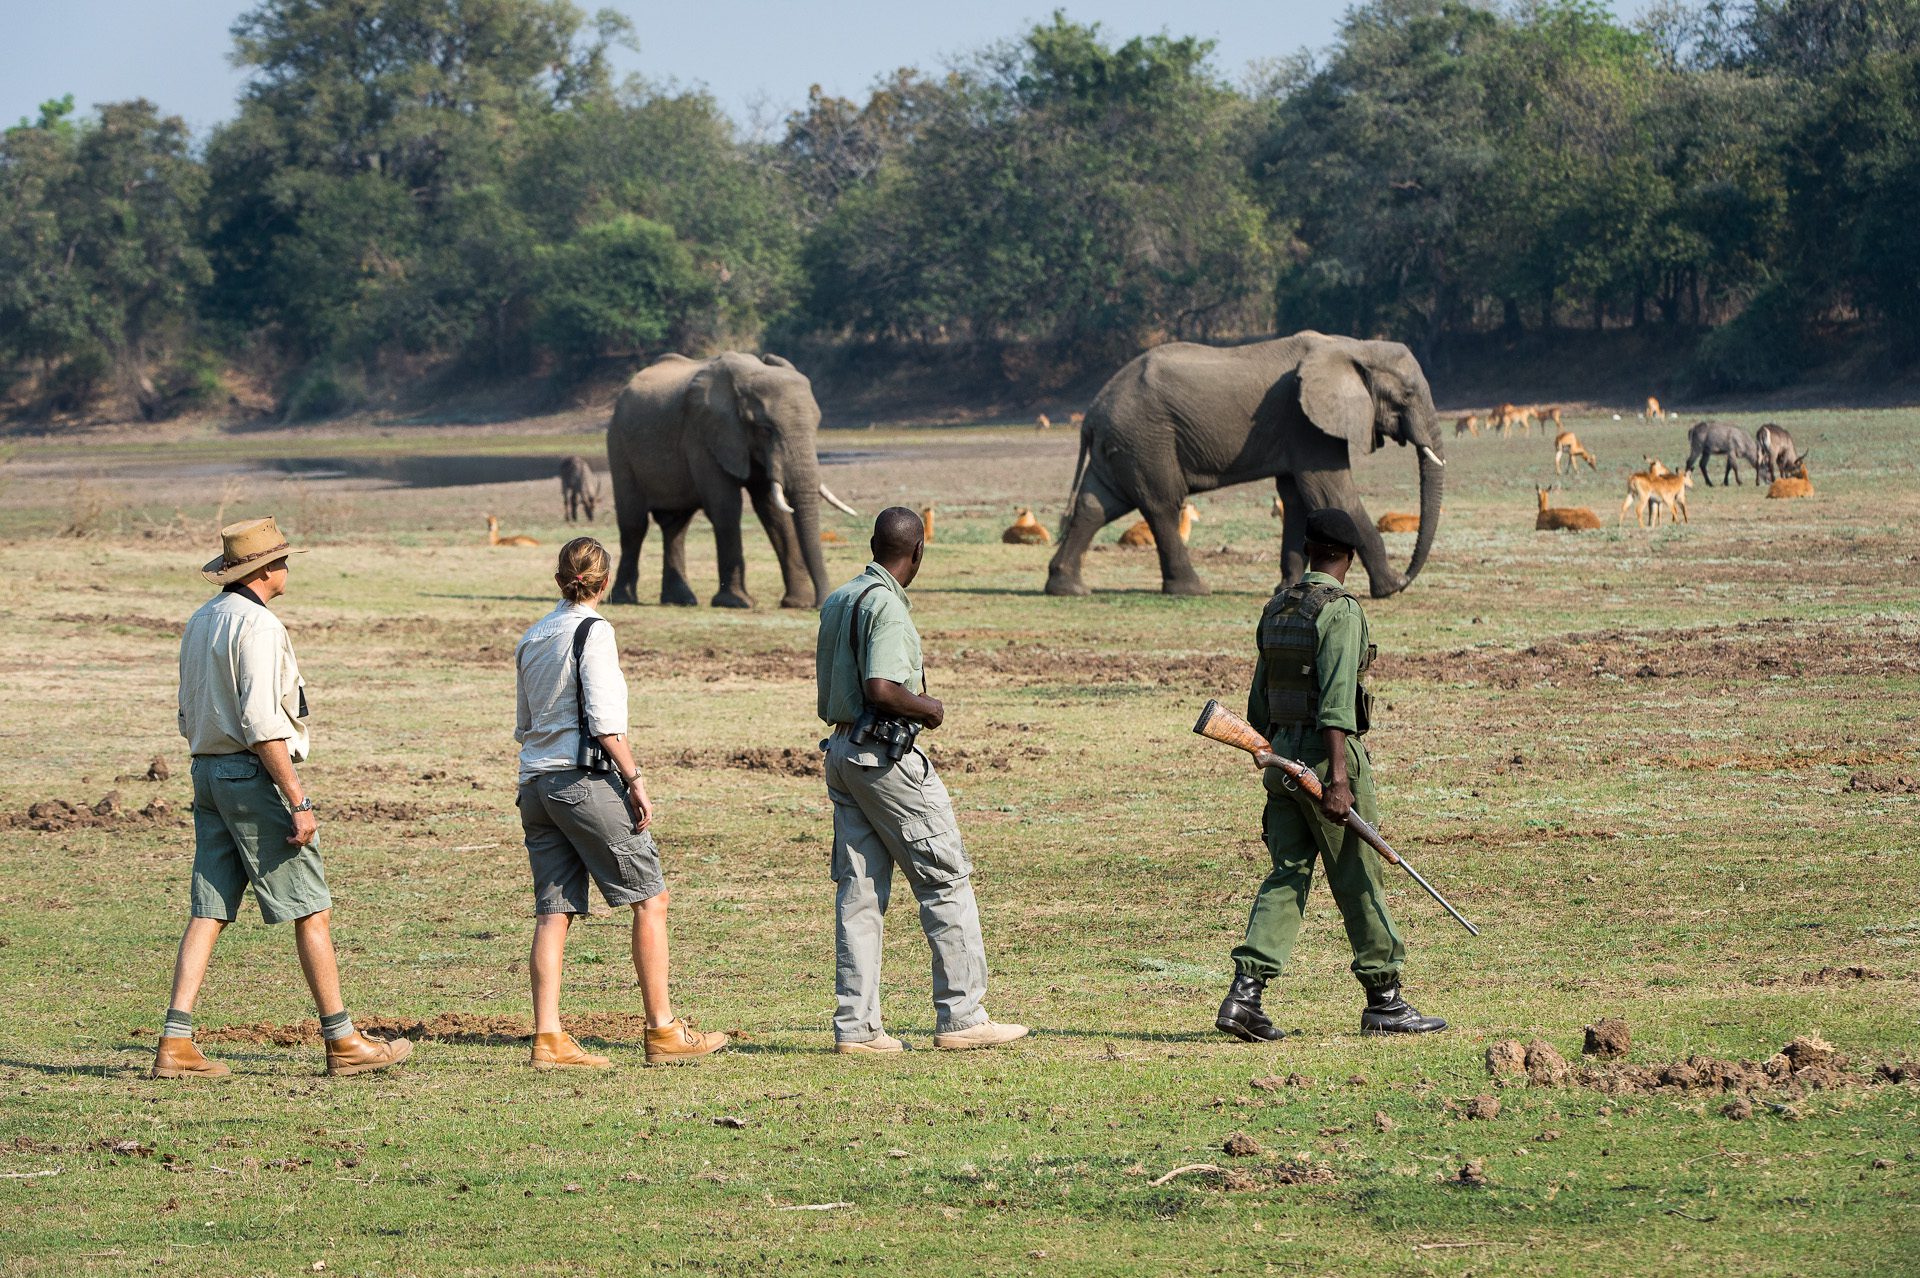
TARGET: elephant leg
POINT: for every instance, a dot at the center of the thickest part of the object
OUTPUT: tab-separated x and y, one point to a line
1095	508
674	590
797	583
1177	576
632	516
1293	531
723	511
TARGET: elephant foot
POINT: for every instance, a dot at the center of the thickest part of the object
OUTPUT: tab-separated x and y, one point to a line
799	601
732	599
1184	586
1061	584
677	594
624	595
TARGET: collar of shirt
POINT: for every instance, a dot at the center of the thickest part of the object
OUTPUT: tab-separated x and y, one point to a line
879	573
579	609
1323	578
237	588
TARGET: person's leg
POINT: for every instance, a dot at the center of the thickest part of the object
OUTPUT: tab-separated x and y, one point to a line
928	848
1355	877
650	958
190	966
1273	924
544	966
862	871
313	937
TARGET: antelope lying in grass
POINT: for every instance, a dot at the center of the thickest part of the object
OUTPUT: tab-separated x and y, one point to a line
1026	531
1563	518
1794	481
1141	535
1397	521
495	539
1568	446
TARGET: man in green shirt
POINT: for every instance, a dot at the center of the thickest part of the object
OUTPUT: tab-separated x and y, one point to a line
1308	700
890	808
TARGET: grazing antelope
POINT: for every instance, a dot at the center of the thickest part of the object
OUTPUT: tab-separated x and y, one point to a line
1468	425
1652	411
579	489
1141	535
926	522
1794	481
1508	416
1043	422
495	539
1075	419
1568	446
1551	413
1776	451
1397	521
1563	518
1026	531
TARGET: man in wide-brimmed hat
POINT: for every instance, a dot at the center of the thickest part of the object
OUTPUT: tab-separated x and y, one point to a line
243	711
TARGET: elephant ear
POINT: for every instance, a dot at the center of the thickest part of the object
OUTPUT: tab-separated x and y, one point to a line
714	404
776	361
1335	396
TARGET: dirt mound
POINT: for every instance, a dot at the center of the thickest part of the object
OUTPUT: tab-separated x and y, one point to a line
1831	976
1607	1038
1241	1145
1483	1107
1545	1066
1868	783
1506	1059
445	1027
58	814
374	810
1808	1063
783	760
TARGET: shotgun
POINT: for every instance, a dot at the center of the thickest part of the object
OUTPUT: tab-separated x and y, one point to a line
1217	723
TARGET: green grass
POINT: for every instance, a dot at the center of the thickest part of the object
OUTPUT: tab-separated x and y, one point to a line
1677	847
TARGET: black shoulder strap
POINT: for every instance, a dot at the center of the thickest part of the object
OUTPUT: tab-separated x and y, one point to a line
579	688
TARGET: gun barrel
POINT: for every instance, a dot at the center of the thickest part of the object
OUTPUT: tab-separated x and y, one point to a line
1365	830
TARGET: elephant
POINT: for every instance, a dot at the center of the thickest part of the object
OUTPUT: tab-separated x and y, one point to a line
688	436
1185	418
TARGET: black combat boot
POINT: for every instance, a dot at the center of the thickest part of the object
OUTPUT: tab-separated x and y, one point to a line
1240	1013
1388	1013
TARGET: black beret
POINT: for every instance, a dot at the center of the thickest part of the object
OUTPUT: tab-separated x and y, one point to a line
1331	526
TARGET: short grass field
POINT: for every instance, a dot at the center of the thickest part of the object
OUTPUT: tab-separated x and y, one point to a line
1671	773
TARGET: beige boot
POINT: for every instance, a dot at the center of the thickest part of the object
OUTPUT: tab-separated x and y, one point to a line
883	1044
559	1051
356	1054
678	1041
985	1034
181	1058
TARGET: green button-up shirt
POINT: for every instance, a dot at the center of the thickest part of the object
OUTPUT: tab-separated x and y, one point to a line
889	644
1342	631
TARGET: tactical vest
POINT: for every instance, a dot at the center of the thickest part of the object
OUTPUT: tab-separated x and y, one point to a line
1289	642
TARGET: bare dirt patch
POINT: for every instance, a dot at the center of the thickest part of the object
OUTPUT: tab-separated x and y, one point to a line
1806	1064
1869	783
1607	1038
375	810
800	762
1851	975
54	815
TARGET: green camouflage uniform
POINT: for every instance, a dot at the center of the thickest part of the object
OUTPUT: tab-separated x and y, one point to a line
1291	712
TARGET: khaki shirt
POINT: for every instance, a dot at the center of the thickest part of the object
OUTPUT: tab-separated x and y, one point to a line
889	644
546	706
239	683
1342	632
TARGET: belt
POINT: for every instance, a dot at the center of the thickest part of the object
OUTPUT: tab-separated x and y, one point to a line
841	730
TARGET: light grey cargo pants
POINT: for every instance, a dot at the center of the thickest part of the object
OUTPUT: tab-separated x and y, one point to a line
887	814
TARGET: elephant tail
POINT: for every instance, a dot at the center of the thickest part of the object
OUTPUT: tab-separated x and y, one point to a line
1079	476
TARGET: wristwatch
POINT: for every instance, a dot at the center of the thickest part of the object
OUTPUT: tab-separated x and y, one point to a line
305	805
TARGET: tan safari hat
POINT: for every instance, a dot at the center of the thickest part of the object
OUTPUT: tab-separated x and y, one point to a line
246	547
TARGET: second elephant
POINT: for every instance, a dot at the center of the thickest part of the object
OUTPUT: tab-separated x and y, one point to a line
1184	418
693	435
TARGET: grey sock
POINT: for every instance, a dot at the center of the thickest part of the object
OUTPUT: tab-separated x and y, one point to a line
178	1024
337	1026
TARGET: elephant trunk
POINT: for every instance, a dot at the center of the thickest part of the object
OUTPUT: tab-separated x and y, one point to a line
1432	483
802	490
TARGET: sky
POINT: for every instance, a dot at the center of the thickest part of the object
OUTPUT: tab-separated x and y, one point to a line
757	57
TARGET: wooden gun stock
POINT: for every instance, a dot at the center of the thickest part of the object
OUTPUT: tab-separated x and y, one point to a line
1217	723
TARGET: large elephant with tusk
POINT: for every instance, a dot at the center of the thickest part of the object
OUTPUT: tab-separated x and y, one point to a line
691	435
1183	418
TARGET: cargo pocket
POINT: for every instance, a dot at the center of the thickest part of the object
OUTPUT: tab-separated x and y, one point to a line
236	767
937	852
638	863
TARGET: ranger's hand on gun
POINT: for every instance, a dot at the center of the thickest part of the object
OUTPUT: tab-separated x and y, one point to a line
1336	798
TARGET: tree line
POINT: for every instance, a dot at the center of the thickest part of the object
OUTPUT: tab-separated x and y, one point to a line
463	185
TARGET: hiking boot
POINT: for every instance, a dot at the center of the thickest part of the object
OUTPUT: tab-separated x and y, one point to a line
357	1054
1388	1013
985	1034
181	1058
1240	1013
678	1041
882	1044
559	1051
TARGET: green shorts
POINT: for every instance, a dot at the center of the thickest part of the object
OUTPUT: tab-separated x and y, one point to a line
241	824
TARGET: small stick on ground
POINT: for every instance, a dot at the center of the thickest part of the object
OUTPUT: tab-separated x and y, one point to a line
814	1207
1449	1246
53	1171
1182	1171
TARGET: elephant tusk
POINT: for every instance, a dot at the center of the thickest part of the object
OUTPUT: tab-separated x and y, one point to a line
1432	456
780	499
836	503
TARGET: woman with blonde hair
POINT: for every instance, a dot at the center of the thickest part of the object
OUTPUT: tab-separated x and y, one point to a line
585	812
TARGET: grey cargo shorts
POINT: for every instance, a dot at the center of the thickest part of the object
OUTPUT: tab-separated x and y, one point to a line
578	826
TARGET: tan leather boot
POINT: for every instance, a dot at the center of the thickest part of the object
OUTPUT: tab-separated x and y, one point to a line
985	1034
679	1041
357	1054
883	1044
559	1051
181	1058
